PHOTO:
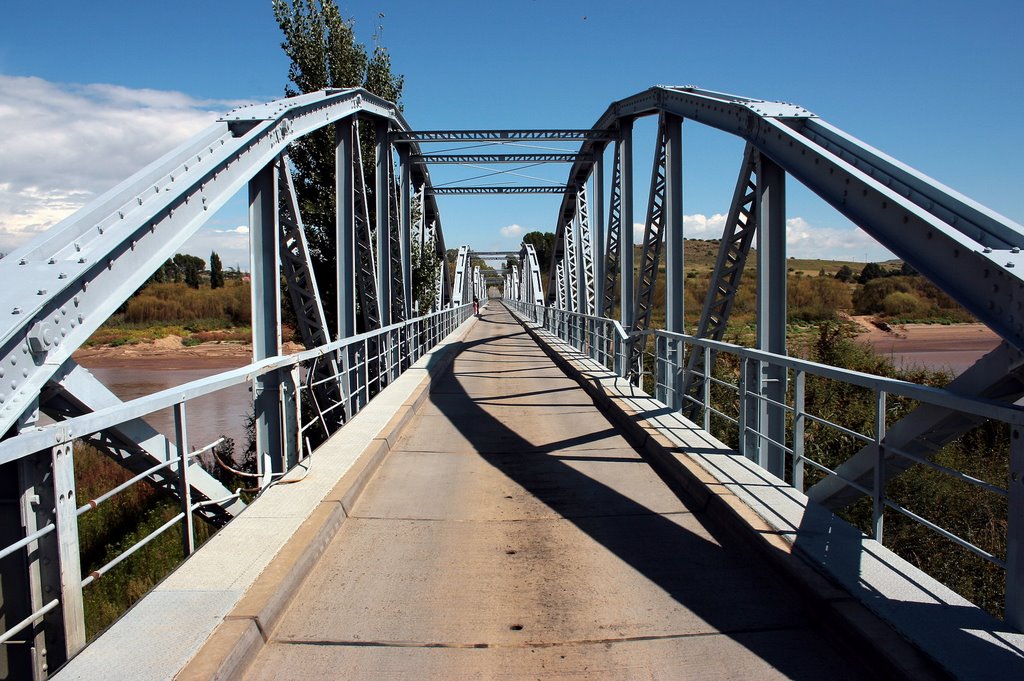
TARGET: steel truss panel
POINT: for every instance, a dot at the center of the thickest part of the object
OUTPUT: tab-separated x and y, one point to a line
511	189
548	135
398	311
461	277
64	284
531	290
587	292
650	254
366	264
613	249
136	445
923	432
297	268
560	286
500	158
953	241
740	228
572	267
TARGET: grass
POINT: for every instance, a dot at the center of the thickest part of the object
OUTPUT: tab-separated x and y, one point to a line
114	526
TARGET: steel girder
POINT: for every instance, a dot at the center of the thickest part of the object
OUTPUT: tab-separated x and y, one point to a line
586	293
449	159
613	250
559	286
396	249
136	445
548	135
531	290
572	267
999	375
650	254
461	277
366	265
950	239
972	253
68	281
305	295
740	227
508	189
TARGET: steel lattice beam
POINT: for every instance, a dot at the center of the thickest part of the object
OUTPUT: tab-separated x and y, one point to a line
449	159
548	135
511	189
613	249
586	292
650	255
740	227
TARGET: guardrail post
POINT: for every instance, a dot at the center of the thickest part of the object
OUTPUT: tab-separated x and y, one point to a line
1014	603
184	490
799	423
290	417
878	491
707	388
67	548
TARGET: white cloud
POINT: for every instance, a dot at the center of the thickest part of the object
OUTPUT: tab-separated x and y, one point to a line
67	143
803	240
241	229
512	231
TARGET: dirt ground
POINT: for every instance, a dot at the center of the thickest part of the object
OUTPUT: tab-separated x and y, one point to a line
937	346
170	352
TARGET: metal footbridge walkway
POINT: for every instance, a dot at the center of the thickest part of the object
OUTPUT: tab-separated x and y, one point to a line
433	498
511	530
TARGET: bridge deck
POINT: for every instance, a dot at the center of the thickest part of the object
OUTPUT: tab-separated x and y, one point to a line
513	533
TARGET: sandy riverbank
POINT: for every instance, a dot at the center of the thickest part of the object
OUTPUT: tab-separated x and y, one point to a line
936	346
171	353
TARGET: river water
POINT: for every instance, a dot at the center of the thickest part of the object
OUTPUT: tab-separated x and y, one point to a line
207	418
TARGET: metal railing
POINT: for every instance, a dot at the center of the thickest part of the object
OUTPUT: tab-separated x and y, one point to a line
735	403
367	363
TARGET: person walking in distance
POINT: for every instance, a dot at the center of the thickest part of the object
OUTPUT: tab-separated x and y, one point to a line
476	306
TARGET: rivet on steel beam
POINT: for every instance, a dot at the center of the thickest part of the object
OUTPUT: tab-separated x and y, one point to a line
81	261
51	261
986	250
23	262
41	292
16	310
62	275
1015	249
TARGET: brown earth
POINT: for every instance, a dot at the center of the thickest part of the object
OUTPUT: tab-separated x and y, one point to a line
170	352
937	346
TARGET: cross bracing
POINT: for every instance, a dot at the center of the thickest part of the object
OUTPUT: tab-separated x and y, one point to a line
448	159
498	189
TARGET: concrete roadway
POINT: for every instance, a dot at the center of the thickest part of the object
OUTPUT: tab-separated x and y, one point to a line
513	534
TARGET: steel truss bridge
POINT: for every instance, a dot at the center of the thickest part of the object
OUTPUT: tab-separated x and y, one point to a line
594	302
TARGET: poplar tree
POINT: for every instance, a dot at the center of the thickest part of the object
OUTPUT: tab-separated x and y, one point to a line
324	53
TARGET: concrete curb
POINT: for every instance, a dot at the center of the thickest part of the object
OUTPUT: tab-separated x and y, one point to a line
850	622
235	643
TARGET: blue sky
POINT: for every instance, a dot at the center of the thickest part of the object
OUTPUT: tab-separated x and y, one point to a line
90	92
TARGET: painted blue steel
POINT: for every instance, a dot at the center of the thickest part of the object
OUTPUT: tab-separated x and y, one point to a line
567	325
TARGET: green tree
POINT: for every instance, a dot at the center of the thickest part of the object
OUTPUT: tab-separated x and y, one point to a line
871	271
216	271
324	53
845	274
544	244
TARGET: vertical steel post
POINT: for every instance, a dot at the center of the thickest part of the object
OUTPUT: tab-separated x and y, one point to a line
626	297
878	489
799	424
266	317
345	225
381	193
1014	603
706	397
405	224
600	247
184	491
771	305
674	265
67	548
